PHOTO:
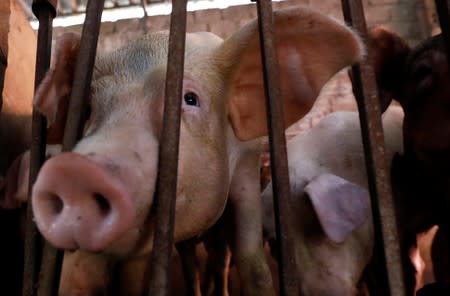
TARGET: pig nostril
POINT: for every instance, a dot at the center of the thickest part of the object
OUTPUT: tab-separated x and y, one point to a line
56	205
102	203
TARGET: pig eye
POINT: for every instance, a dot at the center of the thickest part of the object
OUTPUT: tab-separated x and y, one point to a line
422	72
191	99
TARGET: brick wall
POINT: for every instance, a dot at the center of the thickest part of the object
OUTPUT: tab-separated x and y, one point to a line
412	19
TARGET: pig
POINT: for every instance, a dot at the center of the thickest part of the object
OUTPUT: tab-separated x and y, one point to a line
419	80
331	203
97	199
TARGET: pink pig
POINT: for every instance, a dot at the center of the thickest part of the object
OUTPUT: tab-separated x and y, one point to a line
98	198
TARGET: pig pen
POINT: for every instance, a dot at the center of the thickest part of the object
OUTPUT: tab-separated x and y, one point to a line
384	218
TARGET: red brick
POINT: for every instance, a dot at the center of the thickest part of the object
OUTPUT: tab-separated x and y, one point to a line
207	16
381	14
197	28
107	28
224	28
158	22
239	12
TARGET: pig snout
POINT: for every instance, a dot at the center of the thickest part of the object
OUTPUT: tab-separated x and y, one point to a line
78	203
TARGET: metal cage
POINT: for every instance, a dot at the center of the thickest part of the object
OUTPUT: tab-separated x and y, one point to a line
43	262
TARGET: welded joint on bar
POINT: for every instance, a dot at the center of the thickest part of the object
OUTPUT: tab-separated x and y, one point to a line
38	5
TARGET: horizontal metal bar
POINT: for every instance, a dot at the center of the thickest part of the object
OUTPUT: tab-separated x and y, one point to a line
166	186
387	246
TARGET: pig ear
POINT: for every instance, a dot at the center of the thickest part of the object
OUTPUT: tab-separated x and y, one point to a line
311	48
341	206
53	94
389	56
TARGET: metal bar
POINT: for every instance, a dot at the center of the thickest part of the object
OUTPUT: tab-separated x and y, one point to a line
52	259
288	274
83	74
442	7
3	63
387	246
45	12
166	188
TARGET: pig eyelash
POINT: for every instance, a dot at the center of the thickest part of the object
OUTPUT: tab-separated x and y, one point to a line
191	99
422	72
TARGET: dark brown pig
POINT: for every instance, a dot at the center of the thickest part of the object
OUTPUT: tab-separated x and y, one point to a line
418	78
97	198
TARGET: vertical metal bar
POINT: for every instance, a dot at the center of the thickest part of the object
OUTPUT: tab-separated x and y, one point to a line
442	7
166	188
83	74
52	258
385	226
3	63
45	12
281	188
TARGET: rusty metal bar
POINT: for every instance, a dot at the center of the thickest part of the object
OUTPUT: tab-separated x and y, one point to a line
83	74
166	188
288	274
387	246
3	63
52	258
442	7
45	11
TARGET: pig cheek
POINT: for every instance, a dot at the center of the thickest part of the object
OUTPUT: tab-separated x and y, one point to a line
202	185
143	194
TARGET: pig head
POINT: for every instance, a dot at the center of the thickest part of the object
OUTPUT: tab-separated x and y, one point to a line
99	197
418	78
333	221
